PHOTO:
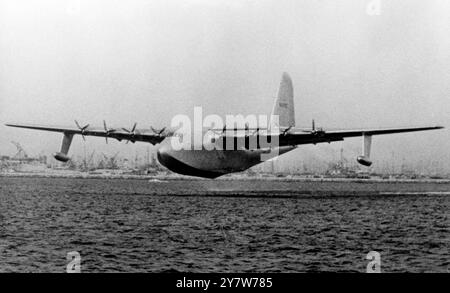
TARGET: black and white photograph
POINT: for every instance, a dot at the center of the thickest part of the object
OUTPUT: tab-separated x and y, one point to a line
243	139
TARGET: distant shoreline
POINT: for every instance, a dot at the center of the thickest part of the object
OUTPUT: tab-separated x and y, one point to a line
233	177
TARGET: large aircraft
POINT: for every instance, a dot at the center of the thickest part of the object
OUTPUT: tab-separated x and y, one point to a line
214	158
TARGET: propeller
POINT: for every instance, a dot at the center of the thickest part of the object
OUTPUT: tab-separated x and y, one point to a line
286	130
108	131
247	128
132	132
158	132
256	132
82	129
314	131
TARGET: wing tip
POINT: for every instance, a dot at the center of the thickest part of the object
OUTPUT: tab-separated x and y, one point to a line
17	125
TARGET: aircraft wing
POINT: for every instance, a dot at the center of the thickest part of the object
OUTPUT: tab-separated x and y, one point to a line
287	139
146	135
323	136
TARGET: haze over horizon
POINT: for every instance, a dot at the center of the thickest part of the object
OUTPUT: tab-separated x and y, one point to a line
146	61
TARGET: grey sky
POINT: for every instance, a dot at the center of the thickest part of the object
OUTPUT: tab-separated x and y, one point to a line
145	61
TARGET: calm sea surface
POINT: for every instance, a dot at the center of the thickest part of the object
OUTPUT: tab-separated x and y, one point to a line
222	226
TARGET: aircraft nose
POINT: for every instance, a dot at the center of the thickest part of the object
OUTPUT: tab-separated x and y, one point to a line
163	156
169	159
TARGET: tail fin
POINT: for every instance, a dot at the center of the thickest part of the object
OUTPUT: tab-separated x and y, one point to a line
284	104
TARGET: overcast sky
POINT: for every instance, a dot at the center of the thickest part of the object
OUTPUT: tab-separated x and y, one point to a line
145	61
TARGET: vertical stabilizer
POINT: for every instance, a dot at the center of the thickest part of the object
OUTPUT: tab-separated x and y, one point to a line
284	105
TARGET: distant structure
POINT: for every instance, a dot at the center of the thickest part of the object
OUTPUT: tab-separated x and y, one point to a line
85	164
341	168
109	162
22	157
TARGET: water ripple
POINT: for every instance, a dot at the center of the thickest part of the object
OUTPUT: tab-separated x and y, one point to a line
221	226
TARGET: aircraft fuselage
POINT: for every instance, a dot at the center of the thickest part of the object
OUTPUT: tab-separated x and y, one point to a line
211	163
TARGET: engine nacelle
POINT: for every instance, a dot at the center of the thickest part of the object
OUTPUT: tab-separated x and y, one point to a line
364	161
61	157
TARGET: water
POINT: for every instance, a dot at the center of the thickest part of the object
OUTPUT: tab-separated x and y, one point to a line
222	226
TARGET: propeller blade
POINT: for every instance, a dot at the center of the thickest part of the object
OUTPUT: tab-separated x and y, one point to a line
132	132
287	130
106	131
82	129
158	132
